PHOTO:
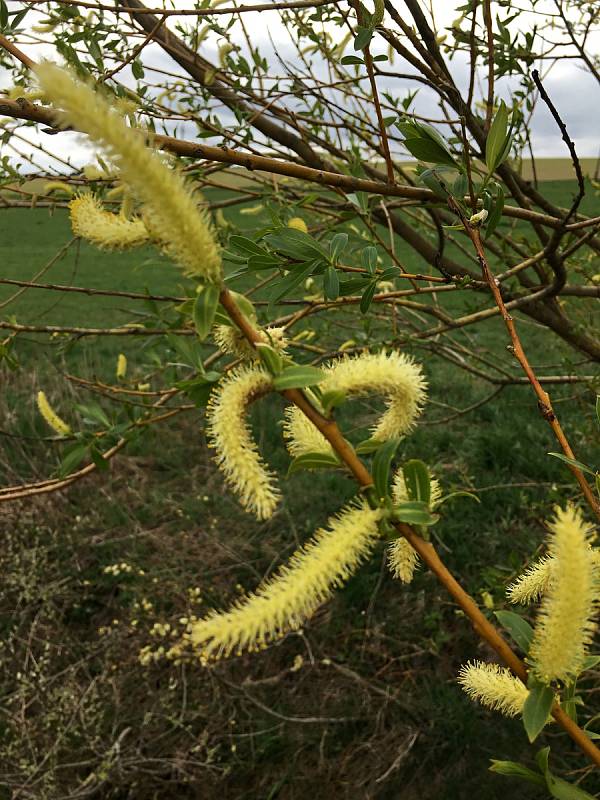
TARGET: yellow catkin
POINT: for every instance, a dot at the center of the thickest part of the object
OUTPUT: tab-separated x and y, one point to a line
493	686
393	374
169	208
236	451
58	186
284	602
402	557
54	421
121	366
301	435
232	340
297	224
533	583
565	626
103	229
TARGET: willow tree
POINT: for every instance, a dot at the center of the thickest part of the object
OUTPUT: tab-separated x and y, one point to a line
358	183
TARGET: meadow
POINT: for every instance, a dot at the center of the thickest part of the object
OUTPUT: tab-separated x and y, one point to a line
361	703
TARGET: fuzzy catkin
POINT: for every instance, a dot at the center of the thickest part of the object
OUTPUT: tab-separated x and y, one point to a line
493	686
105	230
170	211
393	374
57	424
403	559
565	624
236	452
283	603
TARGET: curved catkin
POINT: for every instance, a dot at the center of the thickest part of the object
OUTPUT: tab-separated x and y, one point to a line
103	229
57	424
394	375
565	625
403	559
301	434
493	686
169	209
284	602
236	452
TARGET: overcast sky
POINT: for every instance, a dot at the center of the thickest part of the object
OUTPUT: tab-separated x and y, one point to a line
574	91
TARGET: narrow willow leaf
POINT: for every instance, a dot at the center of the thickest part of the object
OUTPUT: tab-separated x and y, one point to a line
313	461
414	512
573	462
381	466
516	770
537	709
496	139
205	308
297	377
519	629
417	480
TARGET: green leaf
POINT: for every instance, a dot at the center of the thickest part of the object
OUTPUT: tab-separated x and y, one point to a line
246	246
3	15
205	308
314	461
93	413
429	151
496	139
368	259
298	275
515	770
347	60
98	459
367	298
537	709
337	246
368	446
72	457
269	357
258	263
381	466
590	662
363	38
295	244
562	790
541	759
452	495
332	399
297	377
519	629
137	69
414	512
495	214
331	283
417	480
573	463
598	408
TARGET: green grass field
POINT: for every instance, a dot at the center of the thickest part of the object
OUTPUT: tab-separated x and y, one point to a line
363	702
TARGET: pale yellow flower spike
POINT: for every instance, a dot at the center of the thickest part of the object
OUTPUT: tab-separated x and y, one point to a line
402	557
493	686
394	375
232	340
533	583
103	229
169	208
236	452
284	602
301	435
121	366
564	626
54	421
